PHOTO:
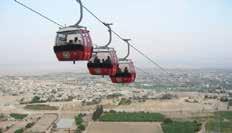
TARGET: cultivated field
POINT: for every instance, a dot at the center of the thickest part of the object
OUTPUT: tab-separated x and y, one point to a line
124	127
220	122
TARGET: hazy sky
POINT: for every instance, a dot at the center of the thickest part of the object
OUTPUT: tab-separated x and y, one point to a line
175	33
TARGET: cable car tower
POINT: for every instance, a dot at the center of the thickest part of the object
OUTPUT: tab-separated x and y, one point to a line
104	60
73	43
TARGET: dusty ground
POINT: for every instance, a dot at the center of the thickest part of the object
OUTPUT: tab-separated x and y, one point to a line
175	106
124	127
4	124
44	123
17	125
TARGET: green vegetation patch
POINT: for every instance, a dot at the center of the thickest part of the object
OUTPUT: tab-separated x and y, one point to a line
19	130
78	119
221	122
131	117
180	127
18	116
79	122
41	107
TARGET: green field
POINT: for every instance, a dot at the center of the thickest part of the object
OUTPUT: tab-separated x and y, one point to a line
19	130
131	117
41	107
221	122
180	127
18	116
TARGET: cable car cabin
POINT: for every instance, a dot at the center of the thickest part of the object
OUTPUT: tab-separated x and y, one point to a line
103	62
125	72
73	44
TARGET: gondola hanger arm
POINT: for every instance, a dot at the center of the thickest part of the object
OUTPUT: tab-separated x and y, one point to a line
38	13
128	49
81	14
108	25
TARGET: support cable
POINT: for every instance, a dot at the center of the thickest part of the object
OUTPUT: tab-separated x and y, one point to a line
38	13
136	49
149	74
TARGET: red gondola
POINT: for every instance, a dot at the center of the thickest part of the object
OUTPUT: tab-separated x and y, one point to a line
73	43
125	71
104	60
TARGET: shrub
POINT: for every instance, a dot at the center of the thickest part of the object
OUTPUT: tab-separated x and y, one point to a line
8	127
224	99
29	125
2	117
167	120
112	111
167	97
124	101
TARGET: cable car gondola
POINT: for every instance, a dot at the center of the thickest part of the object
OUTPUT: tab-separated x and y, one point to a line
73	43
104	60
126	70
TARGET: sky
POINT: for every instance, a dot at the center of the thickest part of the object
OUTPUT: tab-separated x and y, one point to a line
174	33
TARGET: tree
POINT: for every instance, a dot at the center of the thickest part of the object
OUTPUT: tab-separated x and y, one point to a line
78	120
81	127
167	121
197	126
230	103
98	112
35	99
224	99
2	117
29	125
